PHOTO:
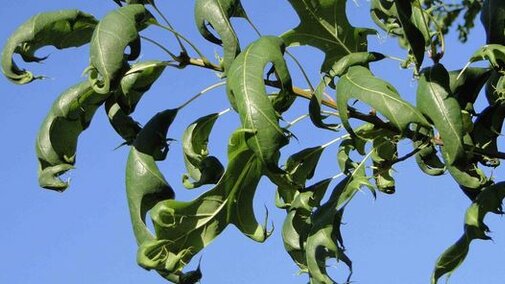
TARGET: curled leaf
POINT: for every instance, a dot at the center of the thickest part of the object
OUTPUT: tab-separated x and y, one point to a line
359	83
137	81
217	14
117	30
246	91
61	29
145	184
428	160
201	167
185	228
487	129
56	142
489	200
123	124
466	85
494	53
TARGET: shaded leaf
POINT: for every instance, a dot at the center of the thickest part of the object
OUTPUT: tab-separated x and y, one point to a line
466	86
385	152
246	91
495	88
324	25
61	29
123	124
137	81
487	129
493	20
201	167
56	142
494	53
489	200
217	14
145	184
435	101
117	30
359	83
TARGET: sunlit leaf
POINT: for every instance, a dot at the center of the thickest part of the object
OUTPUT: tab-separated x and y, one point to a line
489	200
359	83
246	91
56	142
324	25
435	101
184	228
116	31
217	14
61	29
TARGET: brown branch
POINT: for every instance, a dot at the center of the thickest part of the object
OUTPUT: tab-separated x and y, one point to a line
184	60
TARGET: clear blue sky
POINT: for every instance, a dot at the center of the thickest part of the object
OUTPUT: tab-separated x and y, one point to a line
84	235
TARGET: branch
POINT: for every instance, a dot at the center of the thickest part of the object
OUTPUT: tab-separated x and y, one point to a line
185	60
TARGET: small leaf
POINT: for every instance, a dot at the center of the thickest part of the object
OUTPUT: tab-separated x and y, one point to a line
489	200
487	129
428	161
466	86
217	14
385	151
201	167
435	101
117	30
359	83
61	29
56	143
145	184
324	25
246	92
495	89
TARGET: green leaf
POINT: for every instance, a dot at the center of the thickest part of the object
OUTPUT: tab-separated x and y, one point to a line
61	29
324	25
137	81
185	228
385	152
493	20
123	124
487	129
489	200
117	30
201	167
338	69
301	167
428	160
494	53
145	184
466	86
359	83
56	143
495	88
217	14
435	101
297	224
246	91
413	23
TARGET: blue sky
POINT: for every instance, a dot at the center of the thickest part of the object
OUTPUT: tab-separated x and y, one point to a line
84	235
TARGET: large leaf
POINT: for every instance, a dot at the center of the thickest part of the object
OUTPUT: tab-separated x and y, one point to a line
359	83
56	142
117	30
61	29
435	101
490	200
493	20
324	25
145	184
246	91
201	167
217	14
185	228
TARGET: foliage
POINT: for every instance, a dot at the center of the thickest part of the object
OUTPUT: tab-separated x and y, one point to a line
447	133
